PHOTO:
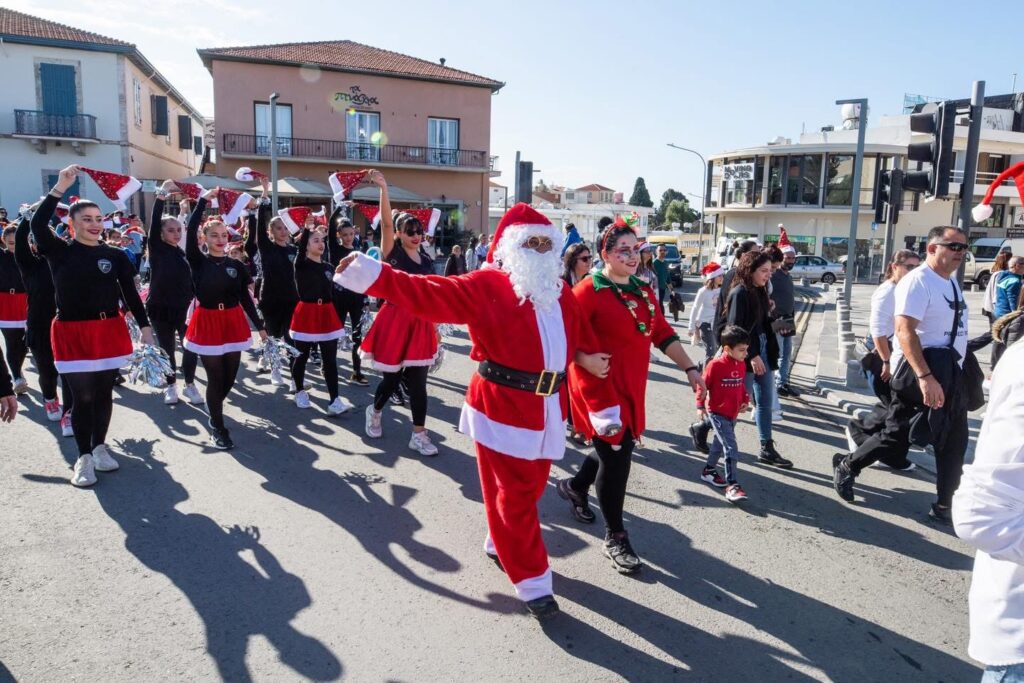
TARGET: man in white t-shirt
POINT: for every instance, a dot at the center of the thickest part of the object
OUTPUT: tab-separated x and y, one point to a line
930	313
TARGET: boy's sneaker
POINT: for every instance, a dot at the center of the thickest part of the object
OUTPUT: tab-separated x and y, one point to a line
65	425
192	395
53	411
699	434
302	400
735	494
770	456
420	442
374	430
621	553
711	476
339	405
84	473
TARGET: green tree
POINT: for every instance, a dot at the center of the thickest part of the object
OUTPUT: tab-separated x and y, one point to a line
640	196
667	197
679	211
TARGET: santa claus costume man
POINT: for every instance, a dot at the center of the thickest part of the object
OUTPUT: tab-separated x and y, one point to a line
516	404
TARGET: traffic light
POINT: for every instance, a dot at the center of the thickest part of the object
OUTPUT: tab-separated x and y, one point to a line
890	194
882	195
939	121
524	190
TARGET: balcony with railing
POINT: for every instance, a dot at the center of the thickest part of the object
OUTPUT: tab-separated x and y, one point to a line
39	124
237	144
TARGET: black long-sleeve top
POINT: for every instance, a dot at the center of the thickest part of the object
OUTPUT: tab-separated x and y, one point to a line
10	277
275	262
170	284
749	310
35	273
335	252
218	280
314	280
89	282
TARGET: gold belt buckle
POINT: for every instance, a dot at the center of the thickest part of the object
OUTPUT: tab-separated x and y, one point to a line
546	383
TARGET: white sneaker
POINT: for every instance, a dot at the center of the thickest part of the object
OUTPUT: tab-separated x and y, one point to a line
171	394
85	472
275	378
302	400
339	406
53	410
777	416
20	385
374	430
262	365
103	460
192	395
65	425
420	442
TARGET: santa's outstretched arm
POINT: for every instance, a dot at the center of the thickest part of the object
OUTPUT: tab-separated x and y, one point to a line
431	297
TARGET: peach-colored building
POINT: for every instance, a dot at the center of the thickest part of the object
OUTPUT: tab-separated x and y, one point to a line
347	106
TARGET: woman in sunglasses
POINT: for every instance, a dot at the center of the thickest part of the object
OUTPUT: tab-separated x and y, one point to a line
626	319
577	261
399	344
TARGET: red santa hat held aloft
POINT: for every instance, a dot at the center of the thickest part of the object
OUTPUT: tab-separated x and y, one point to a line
343	182
295	217
320	217
428	218
231	204
247	175
711	271
191	190
117	188
371	212
784	244
519	217
983	211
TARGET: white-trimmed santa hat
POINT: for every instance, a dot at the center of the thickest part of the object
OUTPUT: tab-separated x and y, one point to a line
295	217
428	218
247	175
983	211
784	244
523	215
342	183
114	186
191	190
711	270
232	204
370	211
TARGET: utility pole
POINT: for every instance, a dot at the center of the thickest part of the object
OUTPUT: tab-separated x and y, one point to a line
971	165
858	167
273	151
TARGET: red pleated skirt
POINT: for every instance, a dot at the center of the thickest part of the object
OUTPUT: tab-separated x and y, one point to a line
399	339
90	345
13	309
216	331
316	322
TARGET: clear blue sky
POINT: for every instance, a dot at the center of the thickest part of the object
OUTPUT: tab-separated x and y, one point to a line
596	89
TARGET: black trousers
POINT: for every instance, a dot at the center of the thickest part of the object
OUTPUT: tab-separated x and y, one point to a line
861	428
166	323
609	470
415	381
94	404
328	360
14	341
352	308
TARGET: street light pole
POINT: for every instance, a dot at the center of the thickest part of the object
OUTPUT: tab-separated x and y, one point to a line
858	167
703	202
273	150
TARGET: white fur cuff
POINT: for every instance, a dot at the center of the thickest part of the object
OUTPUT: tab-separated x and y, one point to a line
361	275
605	419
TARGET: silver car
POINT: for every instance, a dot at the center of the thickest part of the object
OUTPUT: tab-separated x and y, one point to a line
816	268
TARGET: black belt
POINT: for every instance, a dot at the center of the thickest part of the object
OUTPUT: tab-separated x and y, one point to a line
101	315
543	383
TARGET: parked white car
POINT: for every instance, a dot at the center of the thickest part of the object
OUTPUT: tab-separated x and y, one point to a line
816	268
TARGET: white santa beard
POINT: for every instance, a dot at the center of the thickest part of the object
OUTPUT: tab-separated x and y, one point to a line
534	276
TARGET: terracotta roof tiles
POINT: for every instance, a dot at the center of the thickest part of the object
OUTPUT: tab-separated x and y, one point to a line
16	24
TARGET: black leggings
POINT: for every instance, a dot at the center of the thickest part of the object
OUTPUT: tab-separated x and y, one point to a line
328	360
610	469
353	310
277	315
220	377
42	352
164	328
94	404
415	381
14	340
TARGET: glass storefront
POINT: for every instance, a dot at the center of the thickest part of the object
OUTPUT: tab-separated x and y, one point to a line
804	244
838	180
867	258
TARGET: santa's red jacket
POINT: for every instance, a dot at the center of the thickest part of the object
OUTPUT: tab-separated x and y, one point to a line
518	423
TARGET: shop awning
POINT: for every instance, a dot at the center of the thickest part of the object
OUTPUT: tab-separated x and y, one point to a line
370	193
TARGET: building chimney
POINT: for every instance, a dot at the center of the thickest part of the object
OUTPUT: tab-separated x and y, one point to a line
442	61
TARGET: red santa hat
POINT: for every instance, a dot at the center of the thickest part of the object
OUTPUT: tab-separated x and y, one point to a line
295	217
370	211
191	190
117	188
232	204
784	244
521	221
63	212
343	182
983	211
320	217
247	175
428	218
711	271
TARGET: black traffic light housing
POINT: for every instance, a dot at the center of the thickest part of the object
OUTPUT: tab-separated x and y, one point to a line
939	122
890	194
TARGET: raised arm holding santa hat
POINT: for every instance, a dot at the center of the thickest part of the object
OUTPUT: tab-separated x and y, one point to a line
524	340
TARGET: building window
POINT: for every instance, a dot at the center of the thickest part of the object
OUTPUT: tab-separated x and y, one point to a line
714	188
158	109
283	115
839	180
137	101
804	180
758	181
776	180
362	137
739	181
443	141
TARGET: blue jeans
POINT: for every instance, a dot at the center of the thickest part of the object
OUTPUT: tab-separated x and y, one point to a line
762	388
724	443
707	337
1014	673
785	357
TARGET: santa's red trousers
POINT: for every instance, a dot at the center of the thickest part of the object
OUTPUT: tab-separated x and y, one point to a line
511	488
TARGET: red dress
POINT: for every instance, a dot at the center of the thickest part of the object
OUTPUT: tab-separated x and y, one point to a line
616	333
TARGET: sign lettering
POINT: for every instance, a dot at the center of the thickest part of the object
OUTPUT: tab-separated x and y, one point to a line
355	96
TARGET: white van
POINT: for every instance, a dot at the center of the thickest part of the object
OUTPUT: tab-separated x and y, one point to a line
982	254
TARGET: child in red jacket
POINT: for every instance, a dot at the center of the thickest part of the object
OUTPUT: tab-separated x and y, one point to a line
725	398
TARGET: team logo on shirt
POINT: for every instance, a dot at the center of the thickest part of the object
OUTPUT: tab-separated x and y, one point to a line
231	272
328	274
104	265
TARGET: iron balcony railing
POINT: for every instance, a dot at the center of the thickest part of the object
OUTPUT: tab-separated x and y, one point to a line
259	145
30	122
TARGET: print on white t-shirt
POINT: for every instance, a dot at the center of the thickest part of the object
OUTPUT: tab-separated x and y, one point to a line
927	297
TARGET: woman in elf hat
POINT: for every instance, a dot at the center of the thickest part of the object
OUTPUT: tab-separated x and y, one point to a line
627	322
399	344
90	337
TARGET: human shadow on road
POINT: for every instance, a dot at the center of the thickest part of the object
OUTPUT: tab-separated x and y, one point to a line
203	560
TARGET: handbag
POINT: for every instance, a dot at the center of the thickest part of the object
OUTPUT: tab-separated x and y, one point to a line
784	327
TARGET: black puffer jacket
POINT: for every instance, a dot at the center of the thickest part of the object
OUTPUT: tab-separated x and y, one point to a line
1005	331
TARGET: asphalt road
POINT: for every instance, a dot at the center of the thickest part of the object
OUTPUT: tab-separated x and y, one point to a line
311	553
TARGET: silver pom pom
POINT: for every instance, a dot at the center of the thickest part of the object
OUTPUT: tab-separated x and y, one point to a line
133	329
151	365
277	353
445	330
438	360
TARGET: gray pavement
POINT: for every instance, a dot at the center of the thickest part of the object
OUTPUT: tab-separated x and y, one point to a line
310	553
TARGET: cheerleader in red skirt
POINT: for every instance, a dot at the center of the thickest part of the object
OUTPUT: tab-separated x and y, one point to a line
89	336
218	331
13	310
315	321
399	344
